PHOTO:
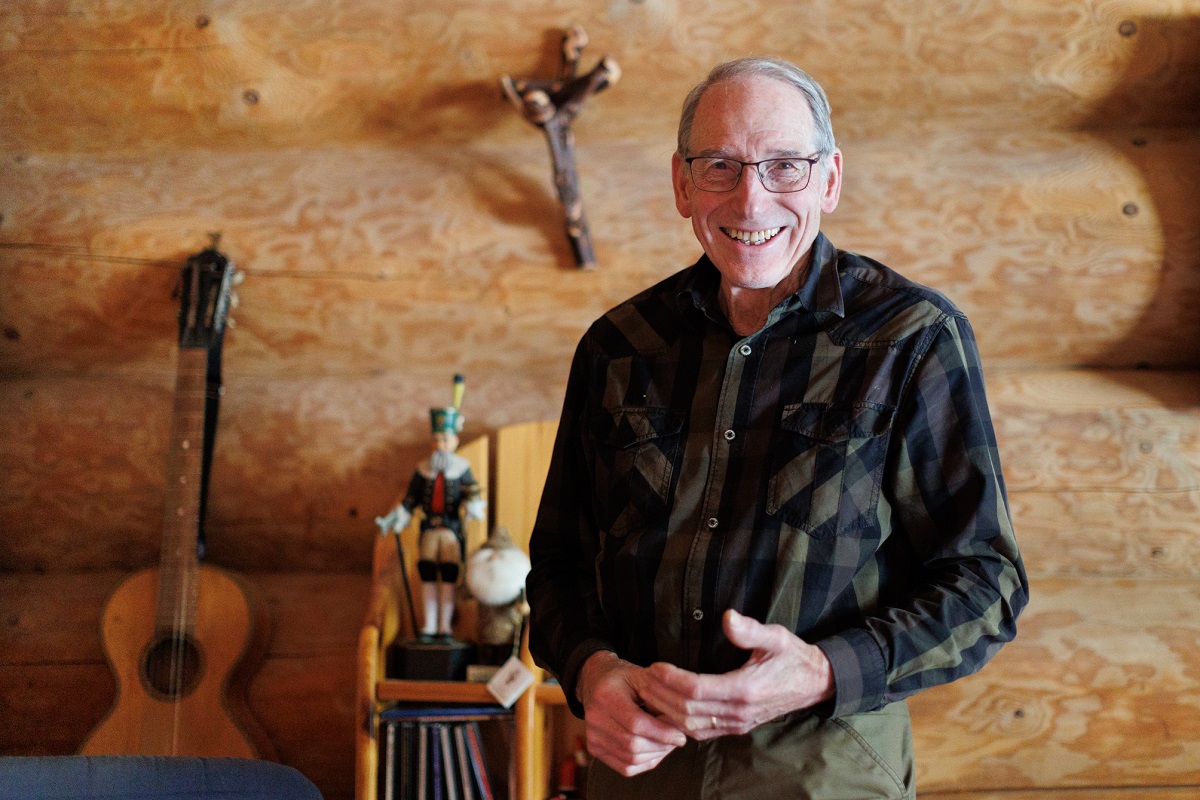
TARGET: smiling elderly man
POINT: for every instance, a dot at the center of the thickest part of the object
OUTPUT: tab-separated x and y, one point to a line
775	507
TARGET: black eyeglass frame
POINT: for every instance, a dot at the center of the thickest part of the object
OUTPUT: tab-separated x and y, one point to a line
812	162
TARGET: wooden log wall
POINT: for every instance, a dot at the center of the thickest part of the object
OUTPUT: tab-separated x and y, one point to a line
1039	161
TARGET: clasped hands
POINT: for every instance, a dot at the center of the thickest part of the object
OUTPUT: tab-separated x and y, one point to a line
635	716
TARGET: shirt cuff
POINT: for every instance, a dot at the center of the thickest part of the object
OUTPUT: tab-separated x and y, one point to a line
859	675
569	679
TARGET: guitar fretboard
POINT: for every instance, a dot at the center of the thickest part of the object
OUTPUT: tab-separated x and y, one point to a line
181	523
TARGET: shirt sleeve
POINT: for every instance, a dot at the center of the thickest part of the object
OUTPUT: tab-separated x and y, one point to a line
948	503
566	622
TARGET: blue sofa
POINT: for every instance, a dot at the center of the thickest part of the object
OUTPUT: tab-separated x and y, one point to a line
150	778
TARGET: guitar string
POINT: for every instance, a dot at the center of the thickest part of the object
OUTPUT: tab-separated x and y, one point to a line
175	673
187	373
191	455
184	571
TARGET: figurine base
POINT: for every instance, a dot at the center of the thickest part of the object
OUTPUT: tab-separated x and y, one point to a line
435	659
494	655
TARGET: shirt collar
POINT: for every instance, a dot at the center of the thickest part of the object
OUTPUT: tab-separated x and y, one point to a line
821	290
822	287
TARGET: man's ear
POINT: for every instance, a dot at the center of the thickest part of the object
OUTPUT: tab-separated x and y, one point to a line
680	181
831	188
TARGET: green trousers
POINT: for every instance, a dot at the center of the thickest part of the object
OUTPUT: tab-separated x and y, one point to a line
801	756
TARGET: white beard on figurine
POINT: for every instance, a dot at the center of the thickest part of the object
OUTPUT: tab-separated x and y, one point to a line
495	576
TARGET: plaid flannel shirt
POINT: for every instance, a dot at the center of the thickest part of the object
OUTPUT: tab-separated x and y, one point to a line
835	472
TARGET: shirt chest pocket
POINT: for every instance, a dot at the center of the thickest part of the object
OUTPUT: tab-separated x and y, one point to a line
635	454
827	466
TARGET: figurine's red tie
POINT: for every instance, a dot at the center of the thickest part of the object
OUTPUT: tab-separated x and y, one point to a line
437	503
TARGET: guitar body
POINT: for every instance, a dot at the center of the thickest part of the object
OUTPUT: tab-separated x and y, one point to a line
181	694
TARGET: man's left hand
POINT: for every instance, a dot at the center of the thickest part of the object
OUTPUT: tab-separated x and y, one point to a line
783	674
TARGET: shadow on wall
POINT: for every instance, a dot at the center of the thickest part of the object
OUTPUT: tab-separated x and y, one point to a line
1152	118
458	118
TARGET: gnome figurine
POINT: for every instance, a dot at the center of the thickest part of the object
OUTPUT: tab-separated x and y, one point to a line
496	575
443	488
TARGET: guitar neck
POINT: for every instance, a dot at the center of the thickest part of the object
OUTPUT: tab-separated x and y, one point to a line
179	561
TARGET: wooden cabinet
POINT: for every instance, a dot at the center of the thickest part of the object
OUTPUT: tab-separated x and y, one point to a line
523	454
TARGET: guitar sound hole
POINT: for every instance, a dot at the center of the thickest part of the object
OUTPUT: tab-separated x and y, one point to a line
172	667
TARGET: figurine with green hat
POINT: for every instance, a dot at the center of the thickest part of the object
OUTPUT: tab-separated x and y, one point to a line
443	488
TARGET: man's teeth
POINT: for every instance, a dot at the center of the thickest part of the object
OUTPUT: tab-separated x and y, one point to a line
751	237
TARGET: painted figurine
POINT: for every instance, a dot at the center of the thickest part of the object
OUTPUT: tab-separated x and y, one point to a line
443	488
496	575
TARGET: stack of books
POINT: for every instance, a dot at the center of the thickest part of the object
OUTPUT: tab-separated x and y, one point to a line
446	753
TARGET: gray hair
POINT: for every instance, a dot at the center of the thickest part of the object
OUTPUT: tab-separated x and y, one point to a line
761	66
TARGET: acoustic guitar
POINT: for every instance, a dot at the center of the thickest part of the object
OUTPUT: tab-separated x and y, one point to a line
183	639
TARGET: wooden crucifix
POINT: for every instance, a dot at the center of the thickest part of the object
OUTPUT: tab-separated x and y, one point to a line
552	106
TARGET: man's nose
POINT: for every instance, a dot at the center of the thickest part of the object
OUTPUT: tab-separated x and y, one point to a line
750	187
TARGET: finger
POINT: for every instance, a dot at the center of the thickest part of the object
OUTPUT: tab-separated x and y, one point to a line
706	726
625	763
686	693
656	730
623	749
699	719
624	720
671	684
702	726
669	693
748	633
628	746
629	753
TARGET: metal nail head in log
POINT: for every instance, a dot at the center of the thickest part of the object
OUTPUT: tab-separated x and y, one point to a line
552	106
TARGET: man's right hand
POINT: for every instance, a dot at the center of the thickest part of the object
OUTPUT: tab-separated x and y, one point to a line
621	731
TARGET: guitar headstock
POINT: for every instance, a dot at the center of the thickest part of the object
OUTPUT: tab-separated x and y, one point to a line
205	296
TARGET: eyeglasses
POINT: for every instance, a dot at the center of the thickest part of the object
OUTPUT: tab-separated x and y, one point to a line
778	175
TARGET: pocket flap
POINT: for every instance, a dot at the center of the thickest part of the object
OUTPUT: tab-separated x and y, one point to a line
629	426
835	423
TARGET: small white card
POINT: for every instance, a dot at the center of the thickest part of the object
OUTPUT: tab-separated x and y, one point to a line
508	684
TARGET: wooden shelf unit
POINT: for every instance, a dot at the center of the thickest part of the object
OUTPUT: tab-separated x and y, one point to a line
523	452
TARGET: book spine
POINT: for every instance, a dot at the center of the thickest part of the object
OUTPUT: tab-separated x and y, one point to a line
389	768
422	763
448	772
407	781
478	764
435	762
463	762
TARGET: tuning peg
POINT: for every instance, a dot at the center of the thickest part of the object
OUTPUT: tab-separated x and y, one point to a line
234	300
238	277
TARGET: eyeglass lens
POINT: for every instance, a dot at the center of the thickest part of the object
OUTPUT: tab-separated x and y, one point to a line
777	174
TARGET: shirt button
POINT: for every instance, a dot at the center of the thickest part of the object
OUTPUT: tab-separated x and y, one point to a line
729	436
712	522
744	349
697	615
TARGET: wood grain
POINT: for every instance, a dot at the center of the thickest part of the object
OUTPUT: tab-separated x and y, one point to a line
1099	430
306	706
1108	534
303	74
36	720
344	277
523	453
1100	688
